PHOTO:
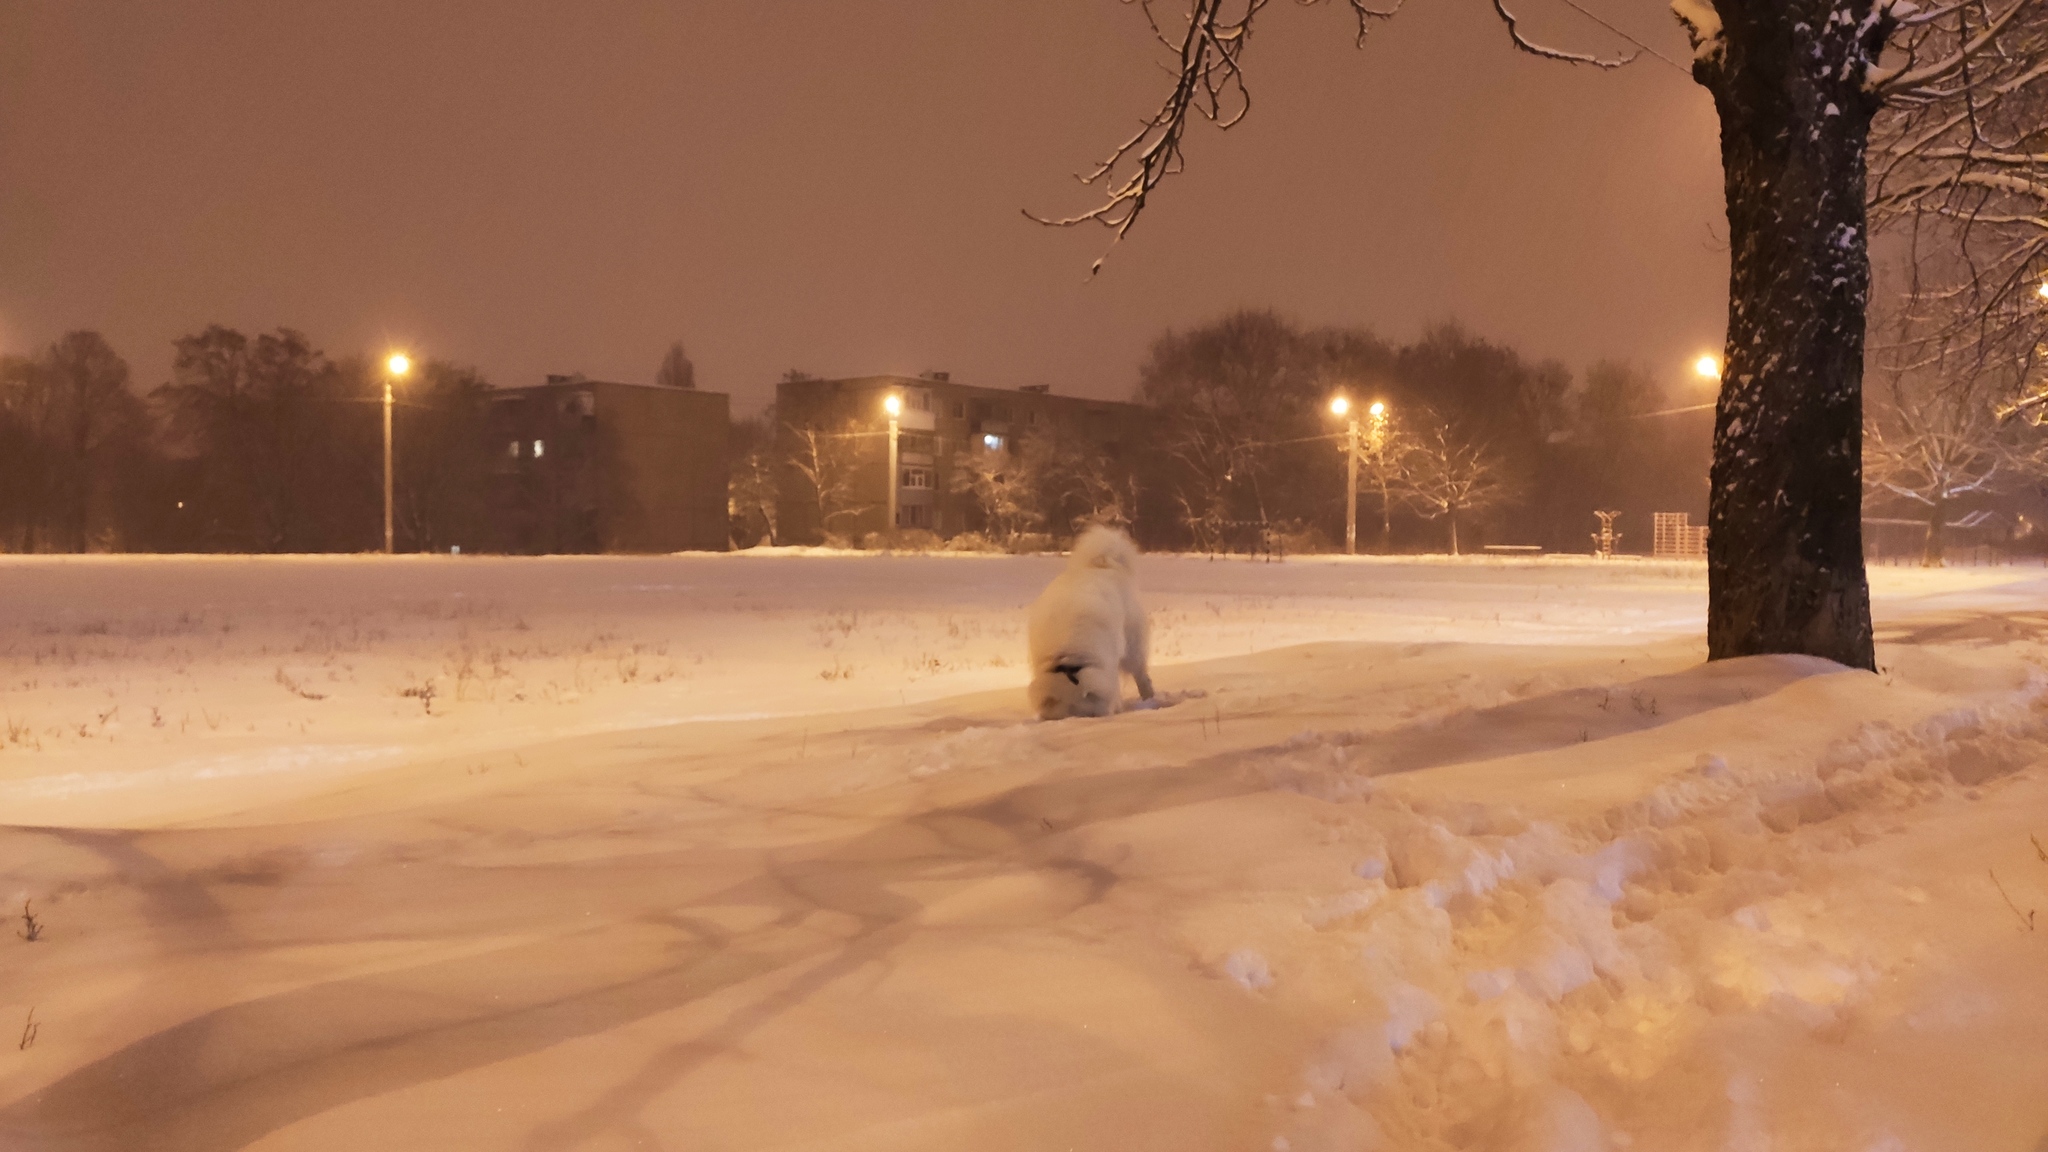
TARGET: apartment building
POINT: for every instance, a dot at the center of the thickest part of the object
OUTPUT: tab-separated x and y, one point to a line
835	432
600	466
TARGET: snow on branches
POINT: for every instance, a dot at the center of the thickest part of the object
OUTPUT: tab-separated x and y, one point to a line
1959	163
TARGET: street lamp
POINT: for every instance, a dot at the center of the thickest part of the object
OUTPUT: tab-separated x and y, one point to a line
893	405
1708	367
395	369
1340	407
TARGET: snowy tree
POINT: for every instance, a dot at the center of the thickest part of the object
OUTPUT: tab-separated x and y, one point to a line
1796	84
676	370
1099	491
828	462
751	488
1935	447
1388	459
1005	486
1450	477
1959	166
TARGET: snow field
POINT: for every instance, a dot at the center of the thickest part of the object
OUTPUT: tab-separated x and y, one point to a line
167	687
1470	856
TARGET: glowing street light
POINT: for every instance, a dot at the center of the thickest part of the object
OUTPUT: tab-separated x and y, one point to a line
893	405
395	369
2043	290
1340	407
1708	367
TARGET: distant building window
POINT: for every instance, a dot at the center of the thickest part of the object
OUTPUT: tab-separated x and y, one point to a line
586	403
992	442
515	449
917	477
914	516
1034	416
959	410
920	401
540	449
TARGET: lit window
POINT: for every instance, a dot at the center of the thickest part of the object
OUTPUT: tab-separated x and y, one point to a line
515	449
992	442
539	449
917	478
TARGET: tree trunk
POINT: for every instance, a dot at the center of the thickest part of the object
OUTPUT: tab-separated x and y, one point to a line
1386	520
1931	552
1454	531
1785	553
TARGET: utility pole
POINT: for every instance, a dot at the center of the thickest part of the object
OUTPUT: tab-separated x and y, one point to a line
893	405
1341	407
395	368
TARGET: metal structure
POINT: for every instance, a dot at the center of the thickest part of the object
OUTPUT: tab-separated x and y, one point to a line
1606	538
1674	536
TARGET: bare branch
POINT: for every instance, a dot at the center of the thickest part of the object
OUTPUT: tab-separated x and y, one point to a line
1522	42
1208	82
1887	81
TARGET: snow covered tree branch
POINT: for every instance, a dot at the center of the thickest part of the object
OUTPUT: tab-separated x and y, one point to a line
1959	164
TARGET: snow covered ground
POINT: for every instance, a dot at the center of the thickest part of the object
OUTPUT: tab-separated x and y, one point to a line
760	851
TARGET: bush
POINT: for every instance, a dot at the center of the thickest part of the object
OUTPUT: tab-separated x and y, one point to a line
901	540
971	542
1025	543
1295	539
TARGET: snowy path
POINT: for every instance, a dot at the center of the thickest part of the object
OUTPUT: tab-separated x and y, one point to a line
1470	856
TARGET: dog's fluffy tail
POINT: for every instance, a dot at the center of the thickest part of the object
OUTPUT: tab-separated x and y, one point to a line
1101	547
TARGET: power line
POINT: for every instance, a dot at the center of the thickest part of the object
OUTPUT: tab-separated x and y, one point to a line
1672	411
1575	6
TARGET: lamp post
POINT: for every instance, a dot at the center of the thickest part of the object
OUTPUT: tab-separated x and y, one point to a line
1340	407
893	405
394	369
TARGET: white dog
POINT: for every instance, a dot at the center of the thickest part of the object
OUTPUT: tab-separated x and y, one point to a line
1087	629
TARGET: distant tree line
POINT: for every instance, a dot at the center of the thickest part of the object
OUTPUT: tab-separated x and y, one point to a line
255	444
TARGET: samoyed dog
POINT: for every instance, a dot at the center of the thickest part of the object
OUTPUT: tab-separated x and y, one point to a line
1087	630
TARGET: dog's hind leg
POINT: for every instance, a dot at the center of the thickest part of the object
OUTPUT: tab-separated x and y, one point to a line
1136	644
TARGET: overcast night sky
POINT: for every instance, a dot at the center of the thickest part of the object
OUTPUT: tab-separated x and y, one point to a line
830	185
